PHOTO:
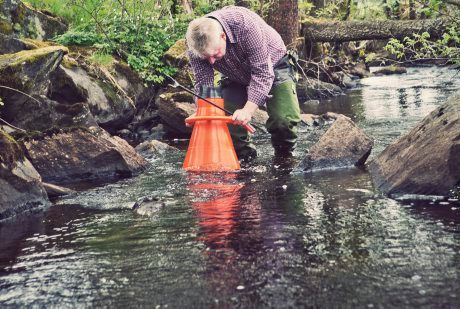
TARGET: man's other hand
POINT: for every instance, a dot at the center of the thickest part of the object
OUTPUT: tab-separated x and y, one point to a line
243	116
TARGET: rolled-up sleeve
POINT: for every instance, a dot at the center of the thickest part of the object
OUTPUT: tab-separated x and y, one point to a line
202	70
262	75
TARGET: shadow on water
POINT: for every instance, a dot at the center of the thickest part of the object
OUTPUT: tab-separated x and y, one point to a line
268	236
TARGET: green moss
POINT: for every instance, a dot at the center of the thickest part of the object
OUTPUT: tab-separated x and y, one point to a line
10	152
176	55
28	56
34	44
5	26
68	64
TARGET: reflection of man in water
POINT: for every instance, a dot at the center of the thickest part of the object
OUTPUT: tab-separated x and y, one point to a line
257	71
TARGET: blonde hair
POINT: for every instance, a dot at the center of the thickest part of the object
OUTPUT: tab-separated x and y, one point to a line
201	34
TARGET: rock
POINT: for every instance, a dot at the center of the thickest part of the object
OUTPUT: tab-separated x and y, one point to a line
21	20
343	145
148	206
28	71
152	149
83	154
426	160
50	114
310	89
360	70
176	57
173	110
133	85
309	119
392	69
111	108
10	44
20	184
55	190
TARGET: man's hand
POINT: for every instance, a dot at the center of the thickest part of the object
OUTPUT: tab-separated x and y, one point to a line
244	115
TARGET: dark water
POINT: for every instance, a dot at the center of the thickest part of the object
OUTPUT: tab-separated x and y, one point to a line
263	237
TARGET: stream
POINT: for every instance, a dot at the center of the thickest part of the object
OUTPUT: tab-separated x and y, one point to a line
267	236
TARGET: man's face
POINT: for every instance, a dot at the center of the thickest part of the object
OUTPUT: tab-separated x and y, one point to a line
217	50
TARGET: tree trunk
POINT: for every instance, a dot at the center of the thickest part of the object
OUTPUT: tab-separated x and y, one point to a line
187	5
283	16
243	3
347	9
412	15
370	30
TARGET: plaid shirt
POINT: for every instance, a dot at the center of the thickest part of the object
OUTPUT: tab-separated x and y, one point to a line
253	48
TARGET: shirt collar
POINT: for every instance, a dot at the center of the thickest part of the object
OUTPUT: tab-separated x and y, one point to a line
224	25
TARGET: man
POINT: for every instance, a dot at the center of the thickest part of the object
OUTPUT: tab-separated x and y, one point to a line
256	71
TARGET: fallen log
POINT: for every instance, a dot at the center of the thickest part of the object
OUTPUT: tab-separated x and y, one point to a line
344	31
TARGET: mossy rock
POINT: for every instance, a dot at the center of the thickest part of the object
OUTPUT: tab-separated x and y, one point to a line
28	56
22	20
176	55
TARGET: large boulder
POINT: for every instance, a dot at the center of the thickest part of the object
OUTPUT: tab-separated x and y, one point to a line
426	160
20	184
109	103
28	71
133	85
83	154
343	145
21	20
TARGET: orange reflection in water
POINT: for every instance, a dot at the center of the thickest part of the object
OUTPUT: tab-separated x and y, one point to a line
216	199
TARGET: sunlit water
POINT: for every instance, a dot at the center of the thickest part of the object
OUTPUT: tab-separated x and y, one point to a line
264	237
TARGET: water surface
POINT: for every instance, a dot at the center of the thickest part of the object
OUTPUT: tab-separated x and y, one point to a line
264	237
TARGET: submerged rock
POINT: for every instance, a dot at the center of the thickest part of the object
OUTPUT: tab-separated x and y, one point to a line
148	206
392	69
426	160
82	154
154	148
20	184
343	145
312	89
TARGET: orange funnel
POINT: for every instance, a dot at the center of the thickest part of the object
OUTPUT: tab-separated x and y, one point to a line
211	147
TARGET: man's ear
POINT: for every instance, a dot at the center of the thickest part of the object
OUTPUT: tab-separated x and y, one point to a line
222	35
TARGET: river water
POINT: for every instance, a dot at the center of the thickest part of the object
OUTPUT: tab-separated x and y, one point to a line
264	237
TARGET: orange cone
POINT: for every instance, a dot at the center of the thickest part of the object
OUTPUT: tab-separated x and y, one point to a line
211	147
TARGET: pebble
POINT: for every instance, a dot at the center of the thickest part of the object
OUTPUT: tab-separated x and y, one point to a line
284	187
416	278
240	287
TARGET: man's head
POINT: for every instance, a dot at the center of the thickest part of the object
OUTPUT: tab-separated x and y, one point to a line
206	39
